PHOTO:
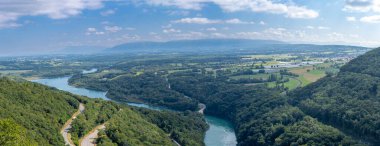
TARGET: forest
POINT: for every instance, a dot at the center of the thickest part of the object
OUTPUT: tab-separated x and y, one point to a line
339	109
147	88
349	100
262	116
40	110
330	111
33	114
187	128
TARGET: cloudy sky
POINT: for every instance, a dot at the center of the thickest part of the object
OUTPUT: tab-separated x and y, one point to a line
35	26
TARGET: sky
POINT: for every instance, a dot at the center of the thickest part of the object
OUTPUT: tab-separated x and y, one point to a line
36	26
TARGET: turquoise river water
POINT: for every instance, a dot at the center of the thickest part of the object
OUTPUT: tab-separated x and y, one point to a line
221	132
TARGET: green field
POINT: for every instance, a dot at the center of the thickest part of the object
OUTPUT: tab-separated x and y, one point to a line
307	77
257	76
292	84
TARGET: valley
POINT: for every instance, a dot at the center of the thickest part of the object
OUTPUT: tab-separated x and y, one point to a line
221	86
189	73
195	99
220	133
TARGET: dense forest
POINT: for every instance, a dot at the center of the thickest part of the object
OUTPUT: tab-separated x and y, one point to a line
148	88
33	114
262	116
349	100
92	117
39	109
187	128
129	128
340	109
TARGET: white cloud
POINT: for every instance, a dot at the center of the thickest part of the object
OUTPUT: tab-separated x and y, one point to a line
200	20
171	30
211	29
323	28
318	27
190	35
153	33
107	12
352	19
99	33
268	6
94	31
238	21
178	12
301	13
167	26
262	23
130	28
197	20
218	35
310	27
7	20
362	5
11	10
91	29
371	19
128	37
112	29
249	35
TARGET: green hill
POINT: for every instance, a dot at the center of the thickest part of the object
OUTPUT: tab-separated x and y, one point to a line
39	109
33	114
349	101
262	116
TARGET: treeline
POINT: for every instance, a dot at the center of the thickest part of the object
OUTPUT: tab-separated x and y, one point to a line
33	114
187	128
127	127
96	113
124	126
41	110
261	115
349	100
13	134
148	88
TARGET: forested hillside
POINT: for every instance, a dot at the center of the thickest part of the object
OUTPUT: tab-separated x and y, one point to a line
33	114
262	116
36	108
187	128
147	88
350	100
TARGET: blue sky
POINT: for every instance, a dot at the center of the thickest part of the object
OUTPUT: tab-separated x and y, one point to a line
31	26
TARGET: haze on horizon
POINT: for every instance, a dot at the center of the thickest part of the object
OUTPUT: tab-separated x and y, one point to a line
35	27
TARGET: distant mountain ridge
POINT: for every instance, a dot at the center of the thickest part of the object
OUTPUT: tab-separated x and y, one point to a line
218	45
193	45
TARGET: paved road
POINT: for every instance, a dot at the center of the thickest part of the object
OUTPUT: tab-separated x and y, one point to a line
89	139
66	128
202	108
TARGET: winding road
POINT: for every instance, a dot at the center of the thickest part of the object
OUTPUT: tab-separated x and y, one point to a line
202	108
66	128
89	139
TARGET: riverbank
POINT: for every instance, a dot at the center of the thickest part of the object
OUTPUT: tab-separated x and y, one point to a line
221	132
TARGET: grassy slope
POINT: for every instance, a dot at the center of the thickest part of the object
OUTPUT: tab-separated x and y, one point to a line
308	77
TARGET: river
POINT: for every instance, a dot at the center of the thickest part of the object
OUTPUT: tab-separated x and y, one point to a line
221	132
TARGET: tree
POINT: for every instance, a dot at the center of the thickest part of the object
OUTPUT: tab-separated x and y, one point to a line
12	134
